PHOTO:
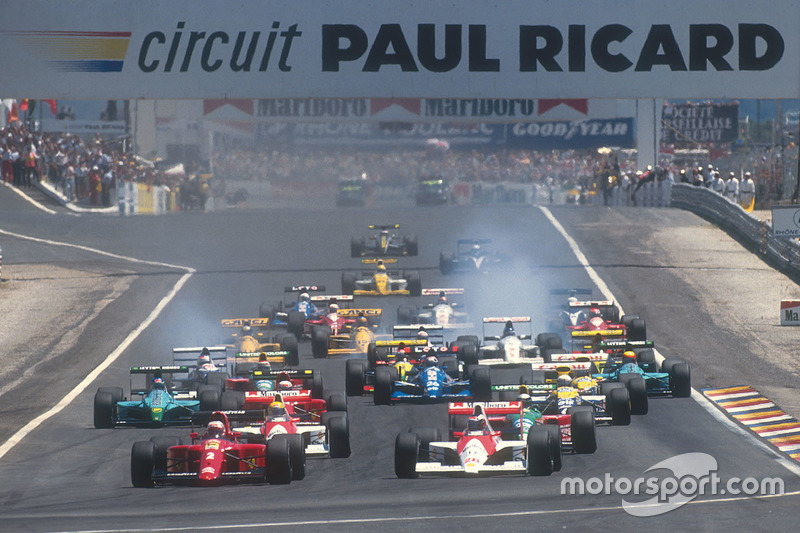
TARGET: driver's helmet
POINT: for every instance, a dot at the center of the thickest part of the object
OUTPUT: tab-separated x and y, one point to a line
594	312
265	385
422	334
431	360
277	409
158	383
476	248
246	329
527	401
361	320
215	430
284	384
304	297
629	357
205	351
203	360
401	348
564	380
442	298
476	423
333	308
381	267
509	329
572	300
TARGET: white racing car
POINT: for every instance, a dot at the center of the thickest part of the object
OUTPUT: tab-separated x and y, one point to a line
509	348
442	313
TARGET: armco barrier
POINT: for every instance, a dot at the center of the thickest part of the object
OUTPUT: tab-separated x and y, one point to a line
755	233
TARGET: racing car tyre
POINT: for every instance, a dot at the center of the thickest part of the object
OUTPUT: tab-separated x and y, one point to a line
414	283
161	445
467	352
295	321
320	336
278	469
547	353
116	392
637	331
619	403
646	358
354	377
446	262
337	402
288	343
348	282
297	454
449	364
607	386
372	355
412	248
209	400
549	340
405	314
426	436
267	311
538	455
355	247
480	384
143	458
468	339
680	380
316	384
628	319
216	380
637	388
457	423
667	364
338	436
406	454
383	386
582	427
610	314
104	407
231	400
555	445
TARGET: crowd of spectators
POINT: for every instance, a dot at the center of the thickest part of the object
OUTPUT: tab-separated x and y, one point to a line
85	171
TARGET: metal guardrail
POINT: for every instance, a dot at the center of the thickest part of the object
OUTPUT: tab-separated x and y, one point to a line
756	233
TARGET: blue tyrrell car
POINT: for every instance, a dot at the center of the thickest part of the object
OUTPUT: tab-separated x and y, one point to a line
431	384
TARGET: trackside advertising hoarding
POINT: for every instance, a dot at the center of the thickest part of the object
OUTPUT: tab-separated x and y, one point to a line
84	49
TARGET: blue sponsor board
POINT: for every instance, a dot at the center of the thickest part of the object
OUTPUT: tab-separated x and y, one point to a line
571	134
547	135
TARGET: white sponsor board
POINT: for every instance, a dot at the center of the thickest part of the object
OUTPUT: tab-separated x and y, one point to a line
435	49
85	127
786	221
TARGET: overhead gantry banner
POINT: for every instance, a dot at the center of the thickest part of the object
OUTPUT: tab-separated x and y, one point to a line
84	49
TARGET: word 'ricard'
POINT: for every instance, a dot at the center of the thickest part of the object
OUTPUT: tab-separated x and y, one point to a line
444	48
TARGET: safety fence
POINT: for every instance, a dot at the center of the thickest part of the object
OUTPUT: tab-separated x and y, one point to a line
754	232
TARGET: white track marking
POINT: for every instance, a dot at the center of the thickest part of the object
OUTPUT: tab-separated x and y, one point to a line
704	402
400	519
30	200
113	356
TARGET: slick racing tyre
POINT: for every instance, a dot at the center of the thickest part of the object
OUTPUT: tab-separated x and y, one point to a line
288	343
354	376
297	455
320	336
209	400
278	469
680	380
104	410
480	384
384	385
637	388
337	402
143	459
538	456
555	445
338	435
582	429
406	454
295	321
619	404
426	436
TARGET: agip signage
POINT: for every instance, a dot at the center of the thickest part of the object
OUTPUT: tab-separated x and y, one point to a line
436	49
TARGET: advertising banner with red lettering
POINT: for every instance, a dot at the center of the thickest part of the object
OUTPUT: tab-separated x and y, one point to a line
543	49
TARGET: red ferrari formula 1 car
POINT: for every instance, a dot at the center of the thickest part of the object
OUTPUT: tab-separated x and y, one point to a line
218	456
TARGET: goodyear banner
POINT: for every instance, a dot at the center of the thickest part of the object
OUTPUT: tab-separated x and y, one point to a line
187	49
